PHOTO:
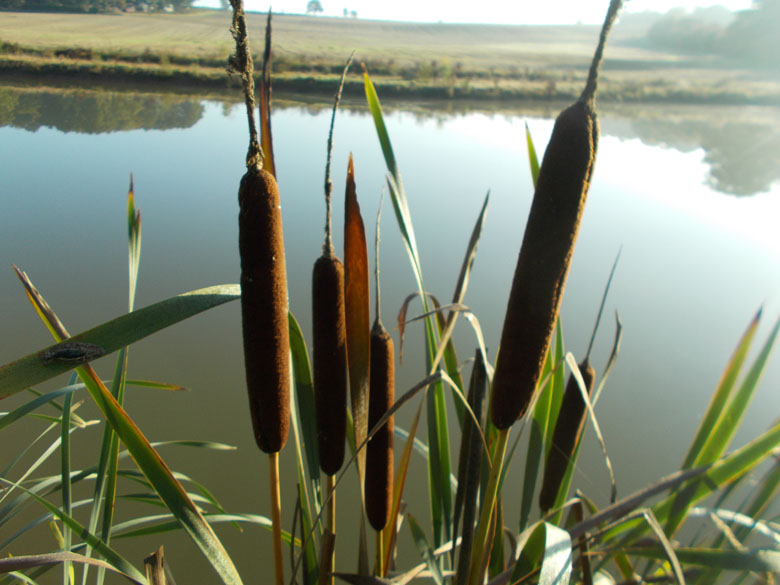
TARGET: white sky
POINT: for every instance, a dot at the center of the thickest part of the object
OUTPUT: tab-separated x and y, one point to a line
486	11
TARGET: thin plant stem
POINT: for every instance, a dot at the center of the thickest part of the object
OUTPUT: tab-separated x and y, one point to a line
276	516
331	483
481	546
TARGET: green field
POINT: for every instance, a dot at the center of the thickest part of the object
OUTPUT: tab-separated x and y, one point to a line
439	60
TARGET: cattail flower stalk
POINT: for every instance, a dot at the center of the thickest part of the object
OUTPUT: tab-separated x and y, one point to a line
540	275
263	292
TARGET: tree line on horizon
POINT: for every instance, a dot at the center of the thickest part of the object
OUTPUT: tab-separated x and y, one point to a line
95	6
748	35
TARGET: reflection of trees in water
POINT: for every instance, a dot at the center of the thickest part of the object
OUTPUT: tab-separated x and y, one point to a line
95	112
743	155
742	148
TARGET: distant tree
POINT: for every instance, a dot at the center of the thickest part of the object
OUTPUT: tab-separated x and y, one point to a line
353	13
753	34
224	4
346	13
314	7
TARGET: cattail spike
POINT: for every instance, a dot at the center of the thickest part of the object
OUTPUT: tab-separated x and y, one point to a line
264	308
567	434
379	452
330	361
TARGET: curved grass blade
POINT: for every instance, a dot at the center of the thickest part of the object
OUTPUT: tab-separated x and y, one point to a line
162	523
729	420
533	160
721	395
666	546
557	562
111	556
673	509
147	459
22	563
117	333
67	500
611	360
566	482
448	349
21	411
424	548
438	435
399	483
545	413
469	466
304	394
757	560
303	389
156	385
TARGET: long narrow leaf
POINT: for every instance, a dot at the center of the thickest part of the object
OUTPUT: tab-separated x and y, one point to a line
357	298
425	550
304	394
728	422
67	501
438	435
556	564
543	418
117	333
114	558
22	563
760	560
147	459
303	390
721	395
666	546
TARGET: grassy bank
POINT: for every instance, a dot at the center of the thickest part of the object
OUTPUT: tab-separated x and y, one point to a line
189	51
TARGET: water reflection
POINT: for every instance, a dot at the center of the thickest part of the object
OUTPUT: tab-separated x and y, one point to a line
741	148
741	145
95	112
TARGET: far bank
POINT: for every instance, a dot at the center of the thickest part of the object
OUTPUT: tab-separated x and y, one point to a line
188	53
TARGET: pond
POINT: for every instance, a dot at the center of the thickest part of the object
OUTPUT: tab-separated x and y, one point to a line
690	194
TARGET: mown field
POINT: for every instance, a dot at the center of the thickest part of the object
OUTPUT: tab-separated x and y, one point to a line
442	60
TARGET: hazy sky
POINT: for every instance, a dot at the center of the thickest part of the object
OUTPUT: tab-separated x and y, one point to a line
494	11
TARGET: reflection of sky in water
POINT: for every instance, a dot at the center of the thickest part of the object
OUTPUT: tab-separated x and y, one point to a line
696	264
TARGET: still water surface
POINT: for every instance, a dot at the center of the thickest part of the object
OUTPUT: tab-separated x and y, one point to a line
691	195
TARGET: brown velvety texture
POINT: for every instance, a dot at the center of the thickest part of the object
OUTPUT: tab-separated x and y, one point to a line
567	434
379	455
264	308
543	263
330	361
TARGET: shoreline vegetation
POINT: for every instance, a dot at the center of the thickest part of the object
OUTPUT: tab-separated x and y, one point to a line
181	53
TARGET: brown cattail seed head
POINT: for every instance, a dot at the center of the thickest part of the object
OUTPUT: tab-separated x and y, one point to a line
543	264
330	361
264	308
568	430
379	452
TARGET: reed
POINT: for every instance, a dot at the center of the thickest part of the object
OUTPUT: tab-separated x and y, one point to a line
542	550
567	434
541	271
264	317
571	417
329	333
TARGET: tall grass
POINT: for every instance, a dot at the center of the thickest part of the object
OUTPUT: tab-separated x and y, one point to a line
648	536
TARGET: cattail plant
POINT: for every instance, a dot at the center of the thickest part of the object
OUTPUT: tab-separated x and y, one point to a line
379	452
263	292
571	418
330	343
540	275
